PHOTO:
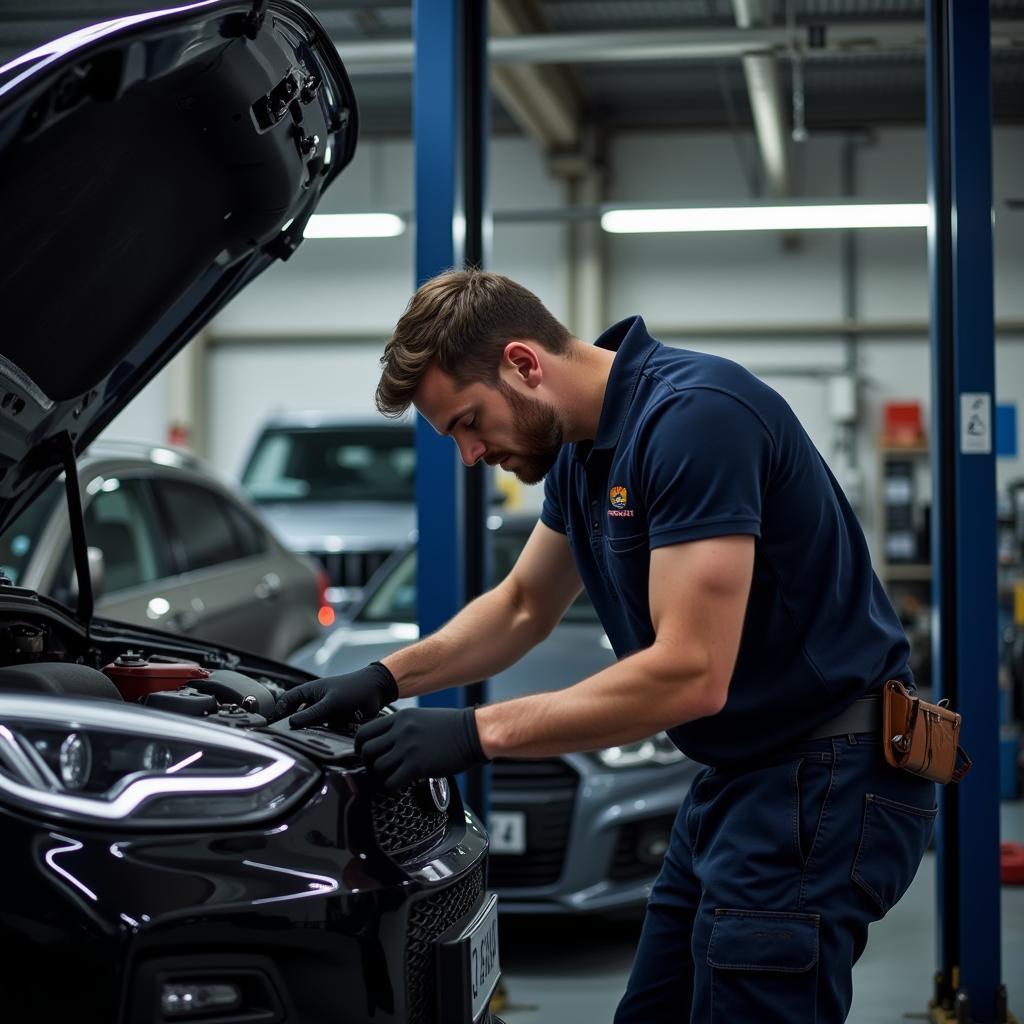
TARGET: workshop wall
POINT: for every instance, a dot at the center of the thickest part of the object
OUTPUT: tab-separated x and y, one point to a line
330	308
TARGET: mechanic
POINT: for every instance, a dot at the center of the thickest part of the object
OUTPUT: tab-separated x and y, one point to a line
734	583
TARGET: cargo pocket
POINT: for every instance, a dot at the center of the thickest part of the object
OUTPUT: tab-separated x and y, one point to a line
893	839
764	967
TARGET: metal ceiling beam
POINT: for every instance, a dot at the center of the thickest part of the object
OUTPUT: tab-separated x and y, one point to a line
395	56
765	93
542	101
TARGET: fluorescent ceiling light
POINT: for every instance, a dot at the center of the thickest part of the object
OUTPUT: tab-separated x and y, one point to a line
354	225
768	218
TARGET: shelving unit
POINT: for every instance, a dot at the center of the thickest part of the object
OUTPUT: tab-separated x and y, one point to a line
903	502
903	560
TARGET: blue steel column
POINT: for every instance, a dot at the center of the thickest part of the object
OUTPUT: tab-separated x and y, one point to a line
449	133
964	499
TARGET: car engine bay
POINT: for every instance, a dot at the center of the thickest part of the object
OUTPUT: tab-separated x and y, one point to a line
46	653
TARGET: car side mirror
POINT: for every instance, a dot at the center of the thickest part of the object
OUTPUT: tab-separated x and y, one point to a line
97	570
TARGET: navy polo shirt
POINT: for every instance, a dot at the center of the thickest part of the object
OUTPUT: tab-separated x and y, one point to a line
691	446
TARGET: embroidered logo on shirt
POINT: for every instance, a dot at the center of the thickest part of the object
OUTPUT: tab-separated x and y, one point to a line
617	498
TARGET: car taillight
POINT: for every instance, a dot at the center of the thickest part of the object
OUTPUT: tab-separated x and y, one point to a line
325	614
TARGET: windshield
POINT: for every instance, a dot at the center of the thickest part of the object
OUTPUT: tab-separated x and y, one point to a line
333	464
18	543
394	599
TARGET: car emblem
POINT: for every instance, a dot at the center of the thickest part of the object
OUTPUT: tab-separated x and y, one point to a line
440	793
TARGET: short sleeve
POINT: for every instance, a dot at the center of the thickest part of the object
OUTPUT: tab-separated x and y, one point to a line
551	514
705	458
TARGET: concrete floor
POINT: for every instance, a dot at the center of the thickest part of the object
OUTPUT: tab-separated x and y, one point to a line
573	971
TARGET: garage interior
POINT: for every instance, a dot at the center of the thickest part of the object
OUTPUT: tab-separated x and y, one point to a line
509	135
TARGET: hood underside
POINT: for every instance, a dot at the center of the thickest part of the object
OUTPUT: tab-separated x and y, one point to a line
149	168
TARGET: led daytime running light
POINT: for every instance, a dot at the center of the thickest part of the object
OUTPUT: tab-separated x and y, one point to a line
71	714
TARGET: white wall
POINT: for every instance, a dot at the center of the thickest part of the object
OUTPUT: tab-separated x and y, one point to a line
332	305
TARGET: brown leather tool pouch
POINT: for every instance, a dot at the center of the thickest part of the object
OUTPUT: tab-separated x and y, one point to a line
921	738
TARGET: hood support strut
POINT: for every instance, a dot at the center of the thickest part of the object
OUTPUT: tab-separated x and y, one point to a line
76	516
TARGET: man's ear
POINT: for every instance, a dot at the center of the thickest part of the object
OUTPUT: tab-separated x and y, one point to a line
524	360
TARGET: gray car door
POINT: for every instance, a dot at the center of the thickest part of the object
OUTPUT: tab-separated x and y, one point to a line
139	585
237	587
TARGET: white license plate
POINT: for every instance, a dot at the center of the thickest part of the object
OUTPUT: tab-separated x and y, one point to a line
484	966
507	831
469	968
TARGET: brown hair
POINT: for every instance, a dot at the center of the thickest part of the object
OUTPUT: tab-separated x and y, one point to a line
463	320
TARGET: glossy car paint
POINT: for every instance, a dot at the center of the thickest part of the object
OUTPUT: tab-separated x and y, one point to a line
312	902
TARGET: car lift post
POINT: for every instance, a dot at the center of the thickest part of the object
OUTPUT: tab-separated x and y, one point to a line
964	503
450	131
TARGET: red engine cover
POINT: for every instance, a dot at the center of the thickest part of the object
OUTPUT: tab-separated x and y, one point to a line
135	676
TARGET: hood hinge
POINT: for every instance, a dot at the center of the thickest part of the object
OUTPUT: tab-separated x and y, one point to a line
254	19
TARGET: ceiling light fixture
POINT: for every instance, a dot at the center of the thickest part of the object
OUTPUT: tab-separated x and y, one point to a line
354	225
768	218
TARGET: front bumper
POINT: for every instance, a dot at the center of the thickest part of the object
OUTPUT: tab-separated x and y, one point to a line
585	828
310	918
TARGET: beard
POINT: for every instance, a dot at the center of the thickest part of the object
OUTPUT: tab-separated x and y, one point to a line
540	434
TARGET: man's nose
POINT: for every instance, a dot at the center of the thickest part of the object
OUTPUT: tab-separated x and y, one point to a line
471	451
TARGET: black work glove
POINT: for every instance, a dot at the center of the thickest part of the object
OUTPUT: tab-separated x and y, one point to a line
339	700
420	743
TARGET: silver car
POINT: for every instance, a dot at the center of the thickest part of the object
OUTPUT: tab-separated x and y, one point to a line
582	832
340	488
170	547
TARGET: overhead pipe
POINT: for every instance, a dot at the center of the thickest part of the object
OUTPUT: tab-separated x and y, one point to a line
765	93
395	56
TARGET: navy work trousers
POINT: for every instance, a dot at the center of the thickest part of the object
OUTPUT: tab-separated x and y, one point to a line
771	879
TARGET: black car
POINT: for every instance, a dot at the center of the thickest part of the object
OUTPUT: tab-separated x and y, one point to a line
167	855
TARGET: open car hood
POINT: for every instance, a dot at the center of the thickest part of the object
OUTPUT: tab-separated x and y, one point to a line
150	167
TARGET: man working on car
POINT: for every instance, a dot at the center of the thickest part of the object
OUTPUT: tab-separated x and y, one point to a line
734	583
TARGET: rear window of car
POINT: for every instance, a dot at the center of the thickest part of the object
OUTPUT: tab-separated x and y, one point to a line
20	540
202	524
332	464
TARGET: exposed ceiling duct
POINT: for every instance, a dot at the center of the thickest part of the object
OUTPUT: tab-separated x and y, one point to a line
765	93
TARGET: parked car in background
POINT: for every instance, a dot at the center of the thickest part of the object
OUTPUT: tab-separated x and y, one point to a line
340	488
167	854
170	547
582	832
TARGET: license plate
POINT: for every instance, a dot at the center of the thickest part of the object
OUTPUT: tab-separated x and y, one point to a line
507	831
468	967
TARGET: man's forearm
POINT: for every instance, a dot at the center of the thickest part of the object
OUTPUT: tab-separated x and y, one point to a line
489	634
628	701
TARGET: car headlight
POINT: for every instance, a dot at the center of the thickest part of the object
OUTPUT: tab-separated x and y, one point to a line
657	749
102	761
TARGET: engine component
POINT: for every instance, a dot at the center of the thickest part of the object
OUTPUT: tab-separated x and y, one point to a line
68	680
234	688
184	701
23	641
136	676
232	714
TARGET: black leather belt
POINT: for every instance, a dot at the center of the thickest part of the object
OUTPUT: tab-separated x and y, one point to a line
863	715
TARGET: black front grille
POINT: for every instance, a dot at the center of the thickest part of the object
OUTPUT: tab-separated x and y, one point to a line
429	918
407	818
350	568
545	791
630	863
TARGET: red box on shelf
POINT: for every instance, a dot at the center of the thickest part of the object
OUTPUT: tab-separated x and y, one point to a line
902	424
